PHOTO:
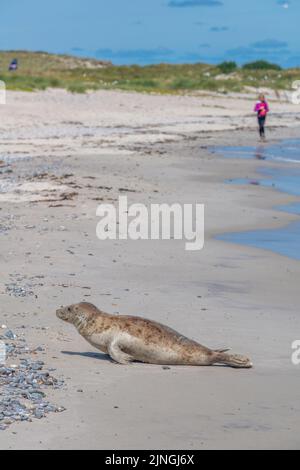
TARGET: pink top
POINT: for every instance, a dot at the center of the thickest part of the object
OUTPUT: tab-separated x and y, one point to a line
261	108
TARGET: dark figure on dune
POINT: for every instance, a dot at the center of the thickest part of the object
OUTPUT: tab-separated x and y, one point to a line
13	65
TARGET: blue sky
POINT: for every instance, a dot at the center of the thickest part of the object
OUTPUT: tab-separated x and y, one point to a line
152	31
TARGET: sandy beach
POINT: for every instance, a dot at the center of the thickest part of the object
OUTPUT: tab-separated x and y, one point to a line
63	154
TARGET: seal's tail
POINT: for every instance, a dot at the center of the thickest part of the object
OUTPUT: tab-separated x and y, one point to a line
233	360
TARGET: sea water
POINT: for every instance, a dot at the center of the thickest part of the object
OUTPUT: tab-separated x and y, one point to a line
286	178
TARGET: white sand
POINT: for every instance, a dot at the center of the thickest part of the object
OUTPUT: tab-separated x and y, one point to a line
225	295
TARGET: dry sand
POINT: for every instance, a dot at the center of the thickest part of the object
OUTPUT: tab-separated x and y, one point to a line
81	150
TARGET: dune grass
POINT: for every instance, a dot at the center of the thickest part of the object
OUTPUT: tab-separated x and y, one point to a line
39	71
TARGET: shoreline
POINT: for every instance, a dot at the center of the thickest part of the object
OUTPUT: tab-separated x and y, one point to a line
263	171
226	295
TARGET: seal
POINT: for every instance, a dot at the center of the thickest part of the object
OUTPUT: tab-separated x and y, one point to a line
126	339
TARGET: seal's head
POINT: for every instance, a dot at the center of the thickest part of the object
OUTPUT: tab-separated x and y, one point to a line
72	313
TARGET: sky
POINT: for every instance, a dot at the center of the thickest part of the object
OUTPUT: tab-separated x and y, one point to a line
152	31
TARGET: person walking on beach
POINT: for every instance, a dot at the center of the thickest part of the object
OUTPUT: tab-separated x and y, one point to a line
262	109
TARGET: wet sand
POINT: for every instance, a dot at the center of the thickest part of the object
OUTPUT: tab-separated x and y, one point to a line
225	295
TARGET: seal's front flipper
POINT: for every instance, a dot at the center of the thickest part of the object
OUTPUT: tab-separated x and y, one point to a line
119	356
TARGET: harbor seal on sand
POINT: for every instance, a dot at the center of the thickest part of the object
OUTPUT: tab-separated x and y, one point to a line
126	339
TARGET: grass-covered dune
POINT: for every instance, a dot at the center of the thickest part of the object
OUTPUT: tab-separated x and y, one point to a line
40	70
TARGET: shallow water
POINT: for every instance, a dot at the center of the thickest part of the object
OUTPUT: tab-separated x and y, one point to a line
287	150
286	240
293	208
285	179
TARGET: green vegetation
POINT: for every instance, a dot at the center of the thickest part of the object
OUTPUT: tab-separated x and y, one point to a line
227	67
261	65
39	71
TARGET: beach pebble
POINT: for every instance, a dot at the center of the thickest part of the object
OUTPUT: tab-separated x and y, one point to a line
24	384
9	334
